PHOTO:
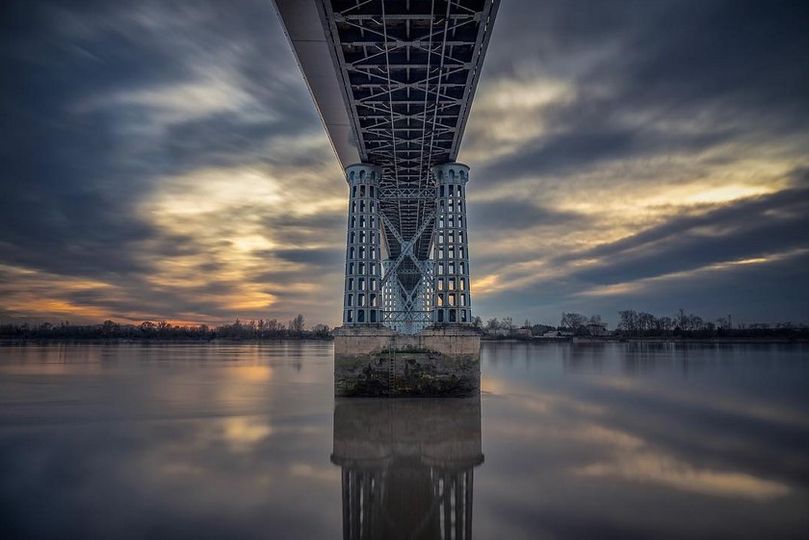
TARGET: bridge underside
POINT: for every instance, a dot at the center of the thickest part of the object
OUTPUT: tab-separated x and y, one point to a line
394	82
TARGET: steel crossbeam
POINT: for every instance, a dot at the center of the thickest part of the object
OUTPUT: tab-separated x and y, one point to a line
407	194
422	316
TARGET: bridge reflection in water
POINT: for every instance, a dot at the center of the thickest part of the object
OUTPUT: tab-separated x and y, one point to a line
407	466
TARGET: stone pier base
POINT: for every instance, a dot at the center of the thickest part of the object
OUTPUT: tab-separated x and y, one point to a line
377	361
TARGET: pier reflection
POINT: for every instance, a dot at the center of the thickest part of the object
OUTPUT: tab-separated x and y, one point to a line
407	466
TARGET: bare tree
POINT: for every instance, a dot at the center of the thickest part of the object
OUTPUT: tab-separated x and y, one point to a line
296	325
507	325
681	319
629	321
573	321
320	330
274	327
646	322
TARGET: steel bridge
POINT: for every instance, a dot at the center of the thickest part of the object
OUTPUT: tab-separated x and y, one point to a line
394	81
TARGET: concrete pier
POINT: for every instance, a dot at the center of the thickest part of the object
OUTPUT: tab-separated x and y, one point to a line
378	361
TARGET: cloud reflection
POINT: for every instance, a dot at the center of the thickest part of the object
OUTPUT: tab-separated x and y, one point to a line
235	440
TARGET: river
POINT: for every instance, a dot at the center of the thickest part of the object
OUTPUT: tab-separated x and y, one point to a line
224	440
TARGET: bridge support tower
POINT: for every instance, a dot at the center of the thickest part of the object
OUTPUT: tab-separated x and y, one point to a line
381	350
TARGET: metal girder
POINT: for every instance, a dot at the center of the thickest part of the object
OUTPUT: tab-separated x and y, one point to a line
407	193
402	16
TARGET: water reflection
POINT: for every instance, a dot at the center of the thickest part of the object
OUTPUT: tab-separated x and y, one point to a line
407	466
198	441
644	440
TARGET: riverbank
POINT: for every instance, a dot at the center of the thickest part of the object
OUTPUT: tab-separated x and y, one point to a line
658	339
157	340
483	339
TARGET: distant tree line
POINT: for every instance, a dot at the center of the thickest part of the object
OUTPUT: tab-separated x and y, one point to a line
634	324
641	324
580	324
163	330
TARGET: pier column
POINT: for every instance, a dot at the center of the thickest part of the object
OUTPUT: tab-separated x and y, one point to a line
362	301
452	303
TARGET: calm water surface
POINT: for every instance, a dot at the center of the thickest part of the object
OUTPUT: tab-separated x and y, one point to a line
246	441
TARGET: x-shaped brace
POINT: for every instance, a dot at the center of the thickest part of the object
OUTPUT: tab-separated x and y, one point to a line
406	248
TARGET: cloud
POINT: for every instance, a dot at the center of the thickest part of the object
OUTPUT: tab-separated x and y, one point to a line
166	161
751	228
157	145
655	124
638	79
748	251
327	257
504	215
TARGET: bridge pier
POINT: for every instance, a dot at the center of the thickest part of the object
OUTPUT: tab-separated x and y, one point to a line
378	361
413	339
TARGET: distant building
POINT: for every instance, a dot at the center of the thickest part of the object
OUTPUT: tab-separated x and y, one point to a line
597	329
541	329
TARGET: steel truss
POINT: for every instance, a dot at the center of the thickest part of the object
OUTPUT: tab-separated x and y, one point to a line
408	71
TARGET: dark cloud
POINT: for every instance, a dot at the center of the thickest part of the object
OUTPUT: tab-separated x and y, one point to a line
135	297
587	145
324	257
738	55
756	228
732	66
79	161
505	215
308	223
710	83
775	291
86	88
309	229
694	260
223	140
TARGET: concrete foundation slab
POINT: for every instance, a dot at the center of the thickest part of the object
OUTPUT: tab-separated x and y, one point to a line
441	361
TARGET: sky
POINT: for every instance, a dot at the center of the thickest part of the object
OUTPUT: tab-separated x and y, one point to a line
164	160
